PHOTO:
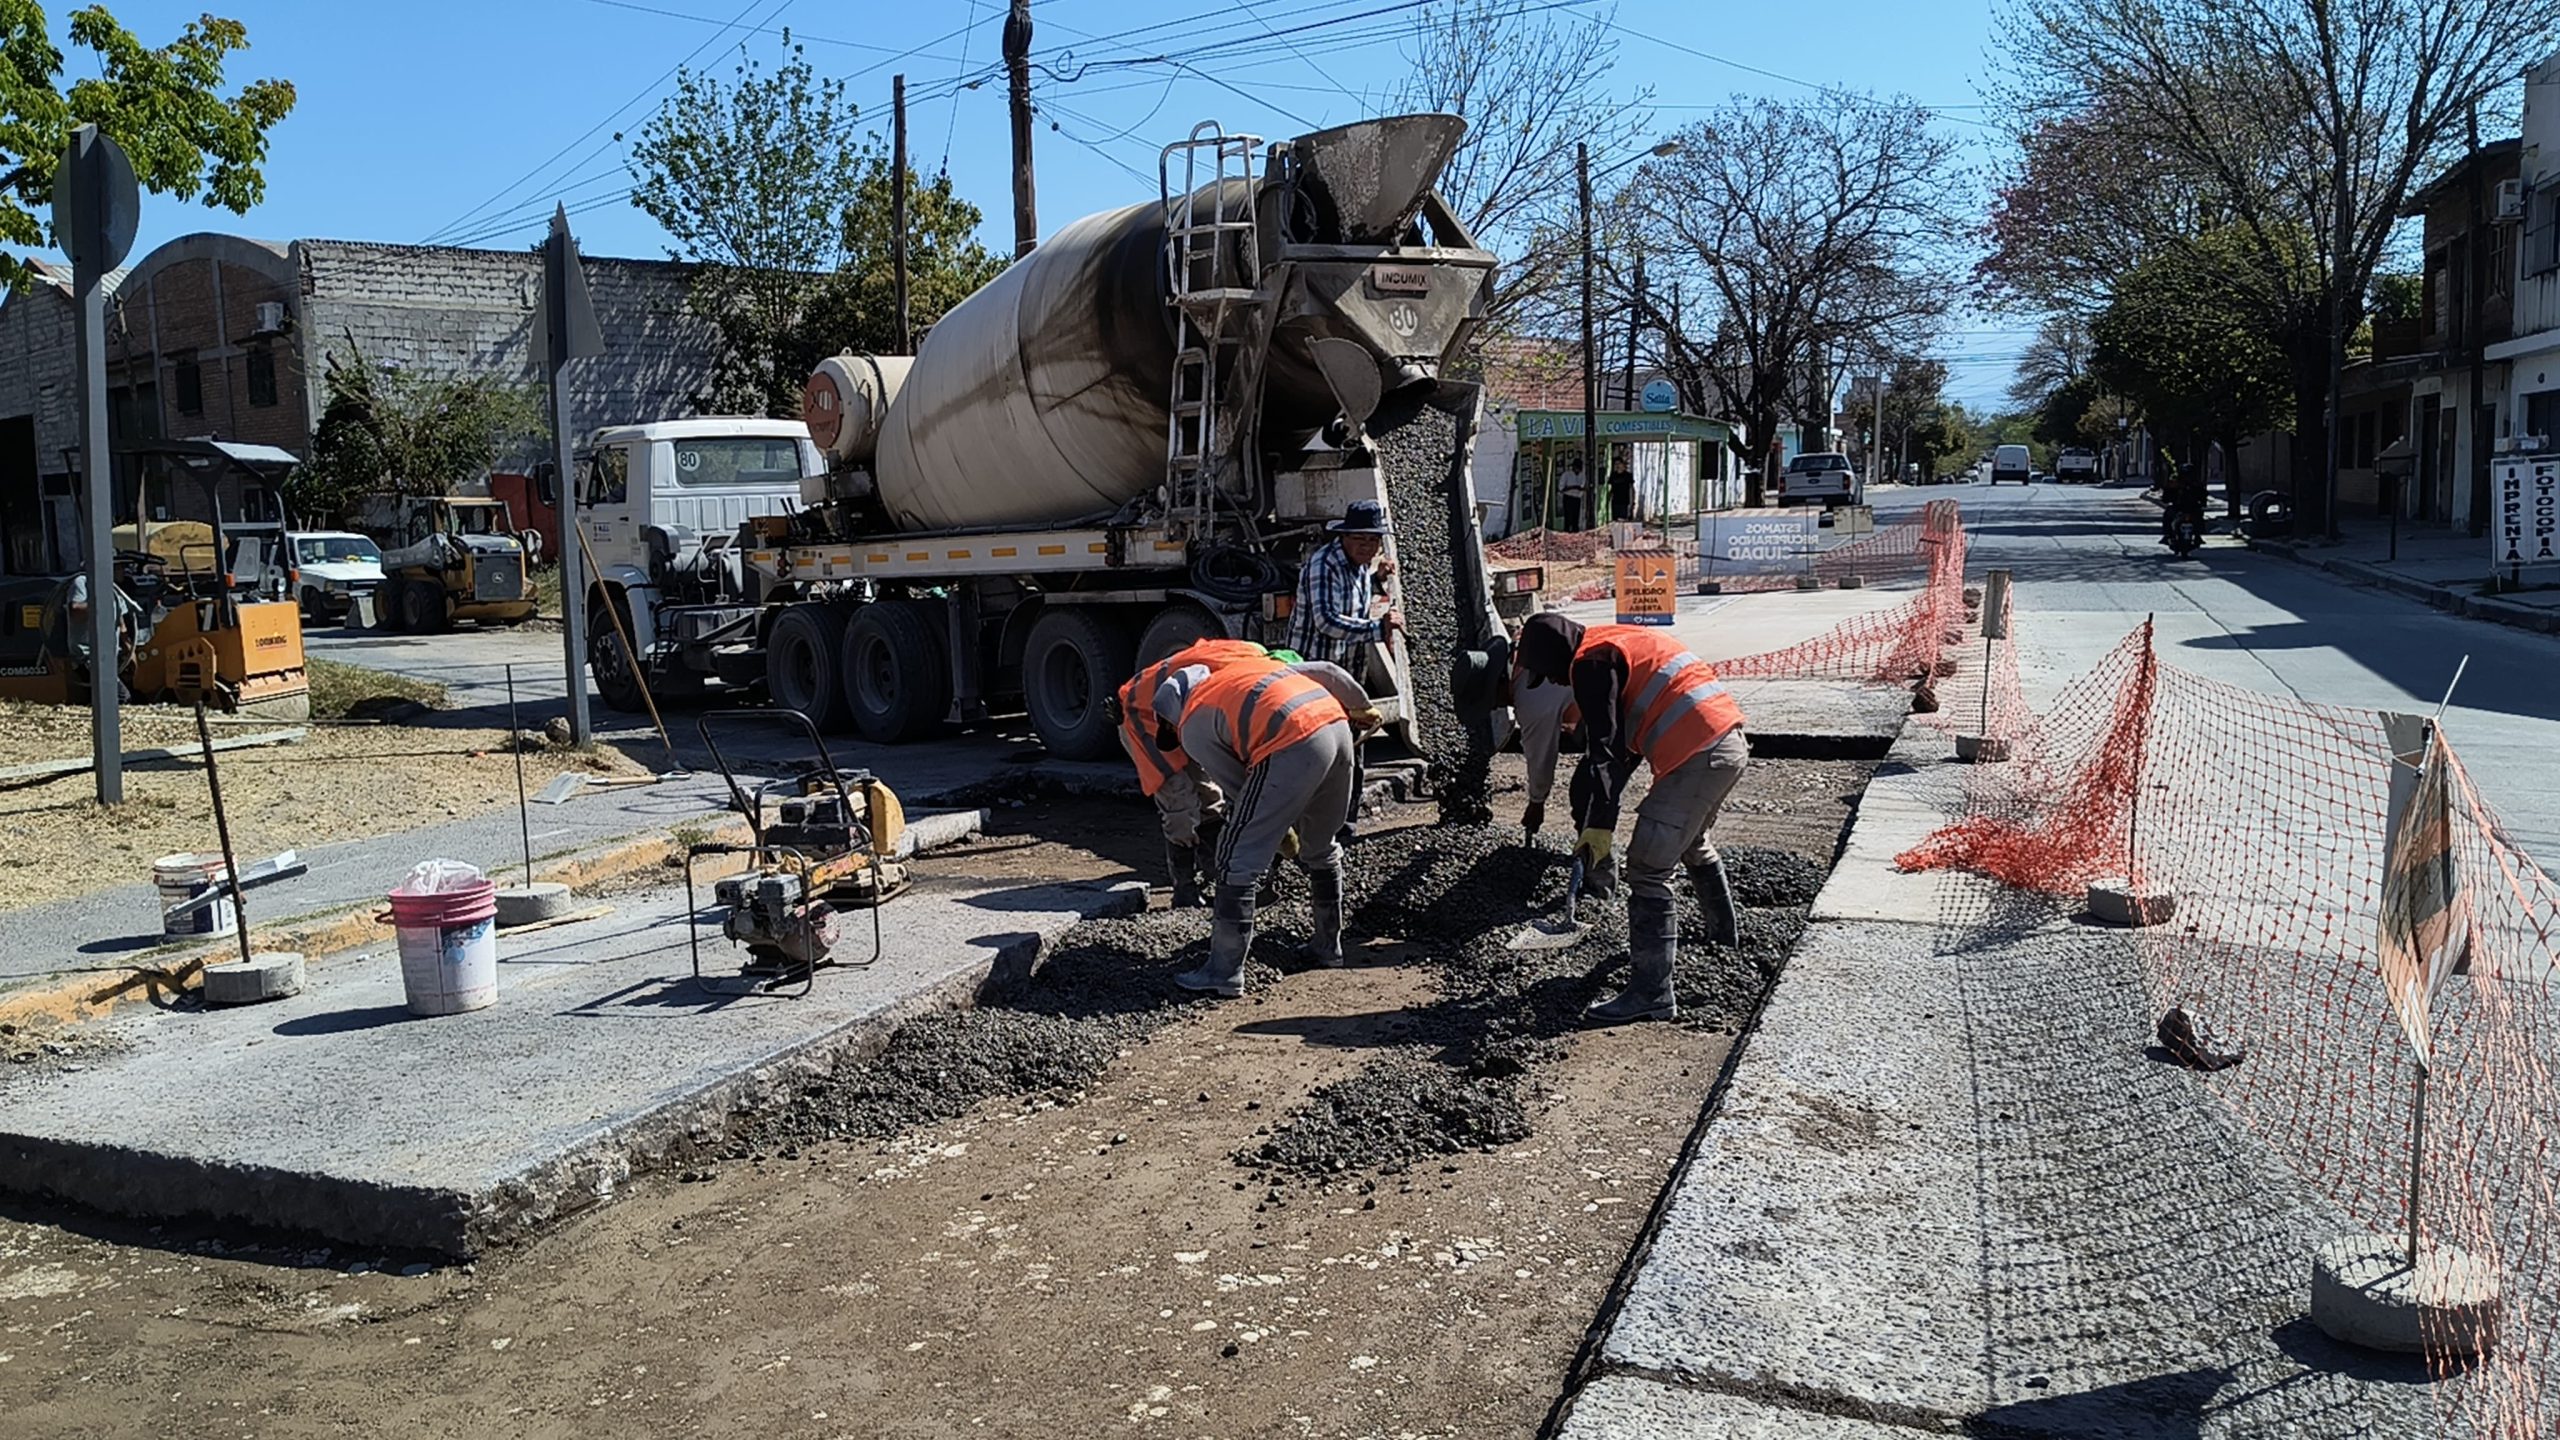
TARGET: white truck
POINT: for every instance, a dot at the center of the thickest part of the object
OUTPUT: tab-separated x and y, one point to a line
2076	466
2012	463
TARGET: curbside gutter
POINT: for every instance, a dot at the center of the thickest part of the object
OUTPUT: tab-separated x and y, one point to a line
2441	597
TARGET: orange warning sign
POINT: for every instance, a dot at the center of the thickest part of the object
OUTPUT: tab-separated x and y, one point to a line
1648	588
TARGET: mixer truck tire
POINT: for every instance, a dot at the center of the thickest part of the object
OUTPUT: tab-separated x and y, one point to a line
897	682
609	661
1172	628
1073	660
803	670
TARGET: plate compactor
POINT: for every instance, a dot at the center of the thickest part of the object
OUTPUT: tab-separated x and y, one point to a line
822	841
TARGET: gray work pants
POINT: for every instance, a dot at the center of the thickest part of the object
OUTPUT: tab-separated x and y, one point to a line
1672	824
1306	788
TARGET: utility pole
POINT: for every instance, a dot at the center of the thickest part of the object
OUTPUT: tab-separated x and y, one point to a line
898	208
96	206
1590	351
569	332
1017	68
2476	456
1635	325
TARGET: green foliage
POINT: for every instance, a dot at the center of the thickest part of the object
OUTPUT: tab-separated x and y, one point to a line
398	432
2058	419
783	208
2189	344
163	105
2398	297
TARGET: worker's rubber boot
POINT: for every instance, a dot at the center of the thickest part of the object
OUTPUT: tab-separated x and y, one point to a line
1324	902
1653	929
1715	902
1601	881
1184	862
1230	936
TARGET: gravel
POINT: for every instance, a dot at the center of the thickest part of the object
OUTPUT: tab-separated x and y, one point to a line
1419	459
1390	1114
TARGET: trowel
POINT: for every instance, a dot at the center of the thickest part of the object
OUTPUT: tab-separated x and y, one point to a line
1556	933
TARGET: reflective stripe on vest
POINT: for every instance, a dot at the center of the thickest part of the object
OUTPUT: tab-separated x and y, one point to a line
1268	708
1674	705
1155	764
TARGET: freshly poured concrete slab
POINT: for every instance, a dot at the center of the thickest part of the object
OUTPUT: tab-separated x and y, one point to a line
1627	1405
1806	718
340	1114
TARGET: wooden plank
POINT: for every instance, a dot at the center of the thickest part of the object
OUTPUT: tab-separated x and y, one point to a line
153	756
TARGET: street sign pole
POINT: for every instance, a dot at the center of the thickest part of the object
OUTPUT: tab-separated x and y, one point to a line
96	208
569	332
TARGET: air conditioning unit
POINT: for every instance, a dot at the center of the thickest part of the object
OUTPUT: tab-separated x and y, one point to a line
270	317
2511	199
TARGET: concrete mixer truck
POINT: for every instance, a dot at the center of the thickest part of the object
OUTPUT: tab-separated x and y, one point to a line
1126	441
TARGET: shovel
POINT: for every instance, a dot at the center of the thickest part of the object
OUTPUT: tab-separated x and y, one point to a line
1556	934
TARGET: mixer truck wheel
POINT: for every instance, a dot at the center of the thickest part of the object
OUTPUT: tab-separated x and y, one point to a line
897	683
802	666
1173	627
1074	659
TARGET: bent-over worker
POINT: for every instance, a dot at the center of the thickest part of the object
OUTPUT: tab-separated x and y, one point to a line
1644	697
1188	804
1279	739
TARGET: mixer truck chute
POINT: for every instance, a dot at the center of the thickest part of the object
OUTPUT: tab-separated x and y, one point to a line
1128	439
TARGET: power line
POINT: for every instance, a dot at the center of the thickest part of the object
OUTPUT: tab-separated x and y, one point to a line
644	93
1847	98
633	5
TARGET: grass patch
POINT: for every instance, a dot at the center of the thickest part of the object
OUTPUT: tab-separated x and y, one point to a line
352	692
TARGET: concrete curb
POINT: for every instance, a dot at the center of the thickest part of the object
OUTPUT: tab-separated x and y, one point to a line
2426	592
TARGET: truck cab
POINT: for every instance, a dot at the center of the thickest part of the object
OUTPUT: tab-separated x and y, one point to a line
660	505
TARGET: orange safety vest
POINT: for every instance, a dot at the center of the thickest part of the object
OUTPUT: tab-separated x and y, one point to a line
1673	705
1138	706
1268	707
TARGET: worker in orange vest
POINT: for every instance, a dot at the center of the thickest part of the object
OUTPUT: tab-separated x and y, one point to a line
1281	740
1642	697
1188	804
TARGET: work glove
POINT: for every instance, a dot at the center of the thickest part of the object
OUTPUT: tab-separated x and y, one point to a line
1367	718
1534	819
1593	849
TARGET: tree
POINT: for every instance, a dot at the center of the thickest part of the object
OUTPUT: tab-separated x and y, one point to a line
2185	345
163	105
2302	125
1530	90
391	430
2058	356
782	207
1818	231
1912	401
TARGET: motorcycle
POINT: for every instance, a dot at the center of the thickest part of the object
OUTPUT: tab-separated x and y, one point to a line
2185	534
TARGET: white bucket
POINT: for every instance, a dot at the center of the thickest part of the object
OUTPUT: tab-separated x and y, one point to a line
183	877
446	913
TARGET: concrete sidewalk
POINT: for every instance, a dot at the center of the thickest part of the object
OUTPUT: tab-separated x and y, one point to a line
2444	569
1935	1197
337	1113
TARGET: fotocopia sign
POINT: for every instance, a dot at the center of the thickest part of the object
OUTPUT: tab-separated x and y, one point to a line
2527	515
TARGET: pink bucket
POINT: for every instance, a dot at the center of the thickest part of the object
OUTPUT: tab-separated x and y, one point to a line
448	940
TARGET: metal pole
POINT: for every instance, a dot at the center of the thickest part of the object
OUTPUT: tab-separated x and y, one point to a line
106	732
515	742
1590	351
222	830
2417	1158
1017	65
2476	456
898	208
573	580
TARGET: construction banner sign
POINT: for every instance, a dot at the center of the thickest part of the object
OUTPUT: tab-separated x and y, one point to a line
1648	587
2426	914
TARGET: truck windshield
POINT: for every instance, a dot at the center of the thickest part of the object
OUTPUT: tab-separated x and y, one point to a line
336	550
738	460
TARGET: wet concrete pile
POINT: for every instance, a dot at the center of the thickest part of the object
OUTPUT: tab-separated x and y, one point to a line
1456	895
1419	459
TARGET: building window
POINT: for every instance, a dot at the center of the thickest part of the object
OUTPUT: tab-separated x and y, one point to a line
186	383
2542	231
262	376
2499	280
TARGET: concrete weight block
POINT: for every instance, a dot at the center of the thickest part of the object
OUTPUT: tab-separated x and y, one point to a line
526	904
2116	902
2365	1292
266	975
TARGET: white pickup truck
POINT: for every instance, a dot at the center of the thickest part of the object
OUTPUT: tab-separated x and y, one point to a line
1819	477
2076	466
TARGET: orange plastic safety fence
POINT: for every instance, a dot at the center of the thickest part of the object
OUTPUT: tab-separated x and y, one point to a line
1904	643
2264	818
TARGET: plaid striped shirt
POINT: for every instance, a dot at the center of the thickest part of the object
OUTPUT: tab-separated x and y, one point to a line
1330	619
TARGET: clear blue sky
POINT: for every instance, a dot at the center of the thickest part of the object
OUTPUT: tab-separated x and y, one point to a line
466	120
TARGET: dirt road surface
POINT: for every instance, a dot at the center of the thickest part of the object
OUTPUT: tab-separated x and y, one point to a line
1095	1262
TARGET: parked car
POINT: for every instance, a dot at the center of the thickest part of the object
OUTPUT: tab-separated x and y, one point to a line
2076	466
332	568
2040	478
1819	477
2012	463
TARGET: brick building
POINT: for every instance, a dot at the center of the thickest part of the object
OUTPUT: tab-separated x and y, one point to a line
216	336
